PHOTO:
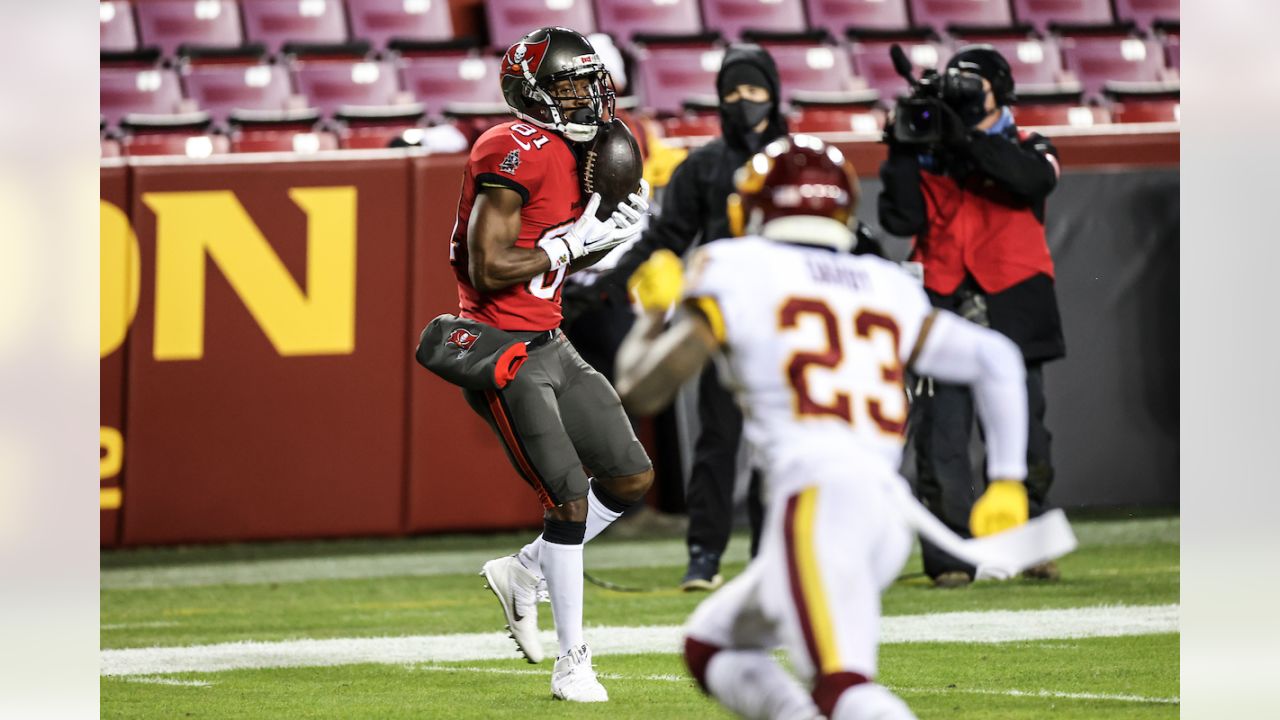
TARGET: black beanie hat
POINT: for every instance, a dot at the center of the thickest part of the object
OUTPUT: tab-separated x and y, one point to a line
741	73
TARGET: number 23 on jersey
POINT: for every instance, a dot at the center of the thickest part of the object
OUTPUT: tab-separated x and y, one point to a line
866	325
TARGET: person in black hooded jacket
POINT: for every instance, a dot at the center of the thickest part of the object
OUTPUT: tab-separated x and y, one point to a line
694	211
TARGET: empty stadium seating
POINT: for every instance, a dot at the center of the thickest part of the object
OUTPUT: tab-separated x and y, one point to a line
872	63
1042	14
362	64
1095	59
152	91
812	67
510	20
942	14
1146	12
443	79
666	76
219	89
380	21
331	84
624	19
169	24
837	16
731	17
1032	60
276	22
116	31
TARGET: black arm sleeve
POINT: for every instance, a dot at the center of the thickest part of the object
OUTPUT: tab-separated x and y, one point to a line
675	229
901	202
1023	169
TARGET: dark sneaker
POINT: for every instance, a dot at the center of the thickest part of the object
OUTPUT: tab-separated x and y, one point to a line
953	579
703	573
1043	571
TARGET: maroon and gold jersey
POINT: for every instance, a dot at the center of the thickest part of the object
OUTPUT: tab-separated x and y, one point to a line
541	167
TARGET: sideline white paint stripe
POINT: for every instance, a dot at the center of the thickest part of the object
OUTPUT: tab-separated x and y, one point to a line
978	627
167	681
609	554
904	690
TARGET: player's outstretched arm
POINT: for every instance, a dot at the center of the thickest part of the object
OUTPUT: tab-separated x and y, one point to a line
652	363
954	350
494	261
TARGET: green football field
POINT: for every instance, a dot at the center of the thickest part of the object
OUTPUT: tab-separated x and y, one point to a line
404	628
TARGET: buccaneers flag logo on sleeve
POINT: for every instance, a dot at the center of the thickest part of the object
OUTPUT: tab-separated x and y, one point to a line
462	339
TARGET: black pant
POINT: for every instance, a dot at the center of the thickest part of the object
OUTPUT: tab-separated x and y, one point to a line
710	493
945	480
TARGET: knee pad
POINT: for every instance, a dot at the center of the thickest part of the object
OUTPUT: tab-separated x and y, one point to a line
697	655
869	701
829	688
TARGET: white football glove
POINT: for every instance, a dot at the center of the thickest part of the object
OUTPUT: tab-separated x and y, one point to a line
628	217
586	235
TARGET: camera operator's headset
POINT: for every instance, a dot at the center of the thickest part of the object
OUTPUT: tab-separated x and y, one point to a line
986	61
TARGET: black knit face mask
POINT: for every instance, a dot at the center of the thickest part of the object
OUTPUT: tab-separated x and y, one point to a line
740	117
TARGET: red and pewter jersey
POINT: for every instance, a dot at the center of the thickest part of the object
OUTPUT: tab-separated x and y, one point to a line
541	167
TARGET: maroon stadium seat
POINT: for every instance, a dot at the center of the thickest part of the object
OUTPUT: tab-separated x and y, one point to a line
437	80
167	24
624	19
871	62
510	20
839	15
250	140
219	89
276	22
330	84
378	21
1033	60
731	17
1143	102
812	67
856	111
170	134
153	91
1095	59
1172	48
941	14
1059	104
116	32
668	75
1041	13
1146	12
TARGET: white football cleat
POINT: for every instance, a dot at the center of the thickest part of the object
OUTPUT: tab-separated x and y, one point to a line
516	588
575	680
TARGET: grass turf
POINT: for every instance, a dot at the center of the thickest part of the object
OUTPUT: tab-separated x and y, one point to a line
1129	562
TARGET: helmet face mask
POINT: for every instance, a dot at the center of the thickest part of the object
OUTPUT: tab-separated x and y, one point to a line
554	79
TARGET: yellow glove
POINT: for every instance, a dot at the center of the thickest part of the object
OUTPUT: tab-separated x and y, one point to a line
1001	507
658	283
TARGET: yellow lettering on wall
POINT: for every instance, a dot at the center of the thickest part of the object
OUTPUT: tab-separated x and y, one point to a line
319	321
119	277
110	460
110	452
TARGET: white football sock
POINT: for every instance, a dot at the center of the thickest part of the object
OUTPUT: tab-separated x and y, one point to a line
870	701
562	565
599	517
751	684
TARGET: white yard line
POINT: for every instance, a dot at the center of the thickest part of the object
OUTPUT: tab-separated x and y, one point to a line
1053	694
974	627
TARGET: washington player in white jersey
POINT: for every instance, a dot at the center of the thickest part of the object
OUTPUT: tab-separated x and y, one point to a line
815	341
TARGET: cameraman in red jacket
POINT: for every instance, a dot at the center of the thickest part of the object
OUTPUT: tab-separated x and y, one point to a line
975	204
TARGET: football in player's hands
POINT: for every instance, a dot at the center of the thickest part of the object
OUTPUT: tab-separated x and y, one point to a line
612	166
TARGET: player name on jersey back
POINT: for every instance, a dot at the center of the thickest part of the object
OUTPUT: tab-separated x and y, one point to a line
816	343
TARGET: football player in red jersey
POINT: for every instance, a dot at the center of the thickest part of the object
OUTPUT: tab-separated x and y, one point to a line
523	225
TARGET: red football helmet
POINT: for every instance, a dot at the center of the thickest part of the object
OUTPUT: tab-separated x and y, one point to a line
803	180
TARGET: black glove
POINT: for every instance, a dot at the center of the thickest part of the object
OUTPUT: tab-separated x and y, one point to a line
955	134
